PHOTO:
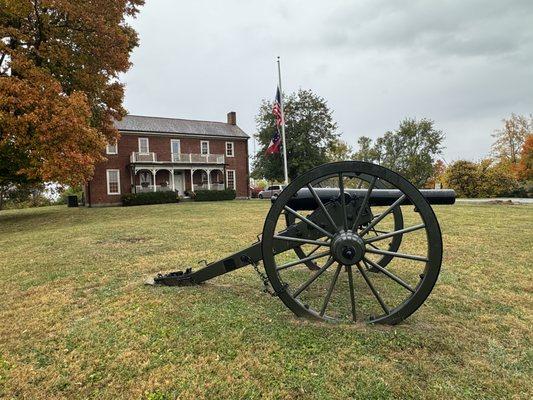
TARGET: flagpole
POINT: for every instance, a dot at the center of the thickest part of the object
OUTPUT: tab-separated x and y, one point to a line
283	127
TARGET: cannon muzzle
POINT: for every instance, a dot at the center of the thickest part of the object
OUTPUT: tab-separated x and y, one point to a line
304	200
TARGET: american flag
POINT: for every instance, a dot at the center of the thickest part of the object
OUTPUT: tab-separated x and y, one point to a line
276	110
275	142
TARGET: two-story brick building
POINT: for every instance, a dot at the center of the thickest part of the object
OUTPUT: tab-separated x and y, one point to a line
159	154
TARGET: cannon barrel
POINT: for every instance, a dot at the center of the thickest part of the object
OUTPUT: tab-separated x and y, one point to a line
304	200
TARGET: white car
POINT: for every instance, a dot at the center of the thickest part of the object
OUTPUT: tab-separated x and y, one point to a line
271	191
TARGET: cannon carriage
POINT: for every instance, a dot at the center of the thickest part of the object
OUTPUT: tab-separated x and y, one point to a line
346	241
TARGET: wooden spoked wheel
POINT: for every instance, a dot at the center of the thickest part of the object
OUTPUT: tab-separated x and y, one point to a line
341	288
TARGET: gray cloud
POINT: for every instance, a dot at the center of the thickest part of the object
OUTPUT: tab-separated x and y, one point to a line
464	28
465	64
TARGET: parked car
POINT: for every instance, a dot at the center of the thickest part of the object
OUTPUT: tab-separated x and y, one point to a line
270	191
254	192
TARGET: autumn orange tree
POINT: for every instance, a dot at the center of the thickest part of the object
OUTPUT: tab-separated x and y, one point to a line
511	138
439	170
525	167
60	62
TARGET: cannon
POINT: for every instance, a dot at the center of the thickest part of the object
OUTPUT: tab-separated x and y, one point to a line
346	241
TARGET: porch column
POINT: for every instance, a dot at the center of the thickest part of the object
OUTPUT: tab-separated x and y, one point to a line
224	176
208	179
153	173
172	179
192	182
133	175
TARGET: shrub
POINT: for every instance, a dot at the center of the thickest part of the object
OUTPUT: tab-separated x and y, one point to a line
497	179
136	199
463	177
260	184
214	195
484	179
24	195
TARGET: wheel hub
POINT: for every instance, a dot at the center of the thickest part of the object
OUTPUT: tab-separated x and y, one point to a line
347	248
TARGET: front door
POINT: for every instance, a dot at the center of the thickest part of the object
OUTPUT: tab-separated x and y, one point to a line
178	182
145	178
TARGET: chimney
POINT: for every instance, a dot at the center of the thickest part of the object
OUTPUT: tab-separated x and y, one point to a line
232	118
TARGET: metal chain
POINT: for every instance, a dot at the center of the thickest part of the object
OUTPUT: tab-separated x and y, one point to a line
264	279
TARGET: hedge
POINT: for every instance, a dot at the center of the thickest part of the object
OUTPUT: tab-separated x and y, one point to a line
214	195
136	199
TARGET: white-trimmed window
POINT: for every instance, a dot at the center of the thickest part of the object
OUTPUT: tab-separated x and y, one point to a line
113	181
204	147
111	148
144	147
175	146
230	179
230	152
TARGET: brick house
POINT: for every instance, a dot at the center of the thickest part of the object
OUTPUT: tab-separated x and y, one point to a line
160	154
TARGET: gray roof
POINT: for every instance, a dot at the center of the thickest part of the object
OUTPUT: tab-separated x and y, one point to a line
138	123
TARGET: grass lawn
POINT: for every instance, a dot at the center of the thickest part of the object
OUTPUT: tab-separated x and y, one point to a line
76	320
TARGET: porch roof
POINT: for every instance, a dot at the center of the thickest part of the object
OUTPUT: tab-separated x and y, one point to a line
174	167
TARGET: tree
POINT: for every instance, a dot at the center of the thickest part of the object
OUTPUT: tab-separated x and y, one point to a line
511	138
11	161
439	170
339	151
59	89
366	151
310	137
496	179
64	193
463	176
27	195
484	179
525	167
411	150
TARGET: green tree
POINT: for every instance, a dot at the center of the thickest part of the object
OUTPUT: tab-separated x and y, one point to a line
339	151
366	152
64	192
310	136
411	150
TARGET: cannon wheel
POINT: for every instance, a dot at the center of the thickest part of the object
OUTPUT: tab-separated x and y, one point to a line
393	245
356	237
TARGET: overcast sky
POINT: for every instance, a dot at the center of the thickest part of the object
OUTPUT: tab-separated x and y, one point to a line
464	64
